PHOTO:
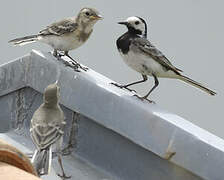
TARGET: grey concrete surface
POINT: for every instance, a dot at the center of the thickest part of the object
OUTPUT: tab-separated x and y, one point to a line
96	149
115	132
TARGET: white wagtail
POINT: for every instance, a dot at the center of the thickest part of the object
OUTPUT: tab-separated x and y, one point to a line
143	57
46	131
67	34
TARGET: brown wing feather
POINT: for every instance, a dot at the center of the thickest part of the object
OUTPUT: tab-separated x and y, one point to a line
60	28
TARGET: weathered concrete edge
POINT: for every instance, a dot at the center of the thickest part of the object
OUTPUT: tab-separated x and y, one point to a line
159	131
16	69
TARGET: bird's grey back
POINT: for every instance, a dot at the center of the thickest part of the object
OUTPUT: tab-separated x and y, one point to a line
142	45
45	115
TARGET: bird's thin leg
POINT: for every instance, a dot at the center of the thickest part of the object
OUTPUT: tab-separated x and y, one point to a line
156	84
137	82
75	62
126	86
63	176
73	65
146	96
66	54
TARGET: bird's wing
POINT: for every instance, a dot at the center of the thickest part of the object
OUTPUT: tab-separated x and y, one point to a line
45	133
60	28
148	49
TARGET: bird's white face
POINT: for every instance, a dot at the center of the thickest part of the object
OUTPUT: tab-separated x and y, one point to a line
136	23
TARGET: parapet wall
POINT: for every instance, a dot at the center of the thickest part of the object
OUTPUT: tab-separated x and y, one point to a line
110	129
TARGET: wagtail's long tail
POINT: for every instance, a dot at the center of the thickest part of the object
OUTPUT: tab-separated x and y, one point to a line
24	40
196	84
41	160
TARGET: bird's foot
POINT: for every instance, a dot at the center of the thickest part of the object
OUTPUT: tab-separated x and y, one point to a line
57	55
144	98
73	66
63	176
123	87
75	63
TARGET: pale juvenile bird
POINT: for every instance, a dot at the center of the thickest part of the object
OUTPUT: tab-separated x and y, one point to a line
46	131
139	54
67	34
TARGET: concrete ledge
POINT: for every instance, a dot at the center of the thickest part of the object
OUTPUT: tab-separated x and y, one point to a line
149	127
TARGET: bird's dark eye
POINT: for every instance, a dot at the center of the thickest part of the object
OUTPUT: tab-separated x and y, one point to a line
87	13
137	22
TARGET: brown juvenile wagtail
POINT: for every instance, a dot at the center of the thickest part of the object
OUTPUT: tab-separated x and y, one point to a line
67	34
46	130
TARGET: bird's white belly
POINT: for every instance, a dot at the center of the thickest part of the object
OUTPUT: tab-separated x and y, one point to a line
62	43
145	65
140	63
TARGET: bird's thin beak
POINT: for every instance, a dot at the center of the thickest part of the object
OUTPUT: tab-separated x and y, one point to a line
123	23
96	17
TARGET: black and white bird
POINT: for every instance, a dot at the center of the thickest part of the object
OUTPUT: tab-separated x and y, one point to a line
46	130
67	34
139	54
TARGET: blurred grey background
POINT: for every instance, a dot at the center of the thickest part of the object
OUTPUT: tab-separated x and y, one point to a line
188	32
